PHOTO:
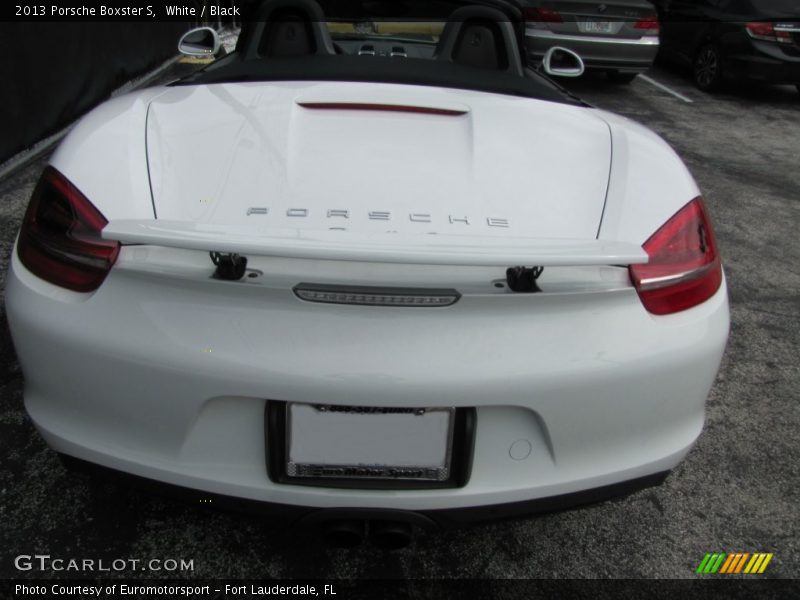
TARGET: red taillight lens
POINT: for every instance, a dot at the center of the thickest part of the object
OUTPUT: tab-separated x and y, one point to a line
650	23
60	236
542	15
762	30
684	268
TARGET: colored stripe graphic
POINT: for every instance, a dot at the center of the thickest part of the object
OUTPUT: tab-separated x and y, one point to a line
734	563
703	563
741	562
727	565
764	564
711	563
730	563
718	564
755	562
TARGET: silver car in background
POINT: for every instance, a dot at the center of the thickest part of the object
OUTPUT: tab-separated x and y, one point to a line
619	37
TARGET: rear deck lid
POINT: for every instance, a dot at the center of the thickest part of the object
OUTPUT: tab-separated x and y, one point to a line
375	159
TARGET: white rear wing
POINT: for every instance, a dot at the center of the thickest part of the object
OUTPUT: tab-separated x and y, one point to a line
438	249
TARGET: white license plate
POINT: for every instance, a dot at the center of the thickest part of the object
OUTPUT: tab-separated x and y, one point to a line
359	442
596	26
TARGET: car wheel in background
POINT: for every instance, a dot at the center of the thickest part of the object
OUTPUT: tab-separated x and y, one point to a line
617	77
707	68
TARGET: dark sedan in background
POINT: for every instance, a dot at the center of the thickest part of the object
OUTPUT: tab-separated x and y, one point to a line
744	40
619	37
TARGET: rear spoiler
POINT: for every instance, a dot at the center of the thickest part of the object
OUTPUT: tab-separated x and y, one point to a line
439	249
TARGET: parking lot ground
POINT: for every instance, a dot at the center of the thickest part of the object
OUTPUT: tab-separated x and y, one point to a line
738	490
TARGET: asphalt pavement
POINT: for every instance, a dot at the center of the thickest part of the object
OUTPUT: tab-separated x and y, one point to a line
738	490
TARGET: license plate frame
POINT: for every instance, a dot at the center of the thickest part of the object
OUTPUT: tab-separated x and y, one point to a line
278	449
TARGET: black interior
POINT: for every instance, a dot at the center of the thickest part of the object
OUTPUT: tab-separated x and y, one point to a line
481	37
285	29
289	40
289	35
478	46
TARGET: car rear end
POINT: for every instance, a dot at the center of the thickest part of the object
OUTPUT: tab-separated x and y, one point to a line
247	390
768	50
361	365
620	36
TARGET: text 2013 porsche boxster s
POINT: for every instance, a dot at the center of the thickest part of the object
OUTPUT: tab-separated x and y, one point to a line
369	273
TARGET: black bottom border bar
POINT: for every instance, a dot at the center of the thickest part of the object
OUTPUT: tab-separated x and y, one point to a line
110	588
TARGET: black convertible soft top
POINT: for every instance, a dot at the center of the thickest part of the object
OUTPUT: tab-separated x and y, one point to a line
383	70
247	64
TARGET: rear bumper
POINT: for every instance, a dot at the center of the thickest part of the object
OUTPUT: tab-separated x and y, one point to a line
627	55
168	379
291	515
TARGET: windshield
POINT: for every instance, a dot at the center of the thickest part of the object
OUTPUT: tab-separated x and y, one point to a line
421	32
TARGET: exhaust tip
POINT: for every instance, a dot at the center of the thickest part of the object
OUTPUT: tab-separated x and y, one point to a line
343	534
390	535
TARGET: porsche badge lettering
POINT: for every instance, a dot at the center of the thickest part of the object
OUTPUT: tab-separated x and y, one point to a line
381	215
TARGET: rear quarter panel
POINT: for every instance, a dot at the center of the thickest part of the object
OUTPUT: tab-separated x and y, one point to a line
105	156
648	182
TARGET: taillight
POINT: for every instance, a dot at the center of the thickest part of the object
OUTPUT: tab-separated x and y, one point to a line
763	30
684	268
60	236
542	15
648	23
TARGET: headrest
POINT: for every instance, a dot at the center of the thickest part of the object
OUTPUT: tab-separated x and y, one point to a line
286	28
479	36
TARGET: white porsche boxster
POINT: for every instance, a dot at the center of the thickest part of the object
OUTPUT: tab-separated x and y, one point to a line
369	268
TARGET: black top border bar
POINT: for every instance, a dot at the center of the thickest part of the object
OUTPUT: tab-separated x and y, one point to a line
219	12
